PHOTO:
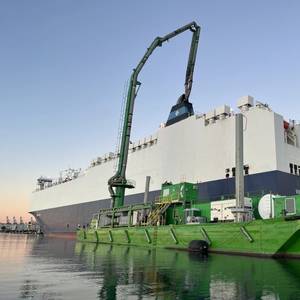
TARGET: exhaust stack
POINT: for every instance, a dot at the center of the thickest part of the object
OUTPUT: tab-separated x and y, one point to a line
239	167
147	186
241	212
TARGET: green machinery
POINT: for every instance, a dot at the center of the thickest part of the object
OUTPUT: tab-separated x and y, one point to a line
178	200
185	192
278	207
118	183
169	208
184	219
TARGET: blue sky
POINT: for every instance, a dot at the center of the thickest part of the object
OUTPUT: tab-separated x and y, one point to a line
64	65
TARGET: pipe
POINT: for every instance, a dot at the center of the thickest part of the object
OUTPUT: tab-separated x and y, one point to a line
239	167
147	186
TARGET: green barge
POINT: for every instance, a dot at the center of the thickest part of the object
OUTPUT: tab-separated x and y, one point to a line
177	218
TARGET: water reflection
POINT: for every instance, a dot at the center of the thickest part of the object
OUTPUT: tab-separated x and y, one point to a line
165	274
33	268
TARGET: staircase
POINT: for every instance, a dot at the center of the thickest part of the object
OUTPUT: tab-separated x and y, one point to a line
154	216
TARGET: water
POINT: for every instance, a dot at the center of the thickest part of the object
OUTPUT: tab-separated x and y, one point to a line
49	268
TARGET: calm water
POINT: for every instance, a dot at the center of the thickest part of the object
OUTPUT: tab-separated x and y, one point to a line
48	268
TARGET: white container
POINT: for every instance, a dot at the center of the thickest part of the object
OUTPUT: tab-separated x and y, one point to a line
222	110
245	102
222	210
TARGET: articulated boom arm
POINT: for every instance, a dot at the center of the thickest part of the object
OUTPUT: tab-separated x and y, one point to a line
118	183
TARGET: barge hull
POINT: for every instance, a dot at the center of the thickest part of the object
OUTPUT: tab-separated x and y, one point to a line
274	238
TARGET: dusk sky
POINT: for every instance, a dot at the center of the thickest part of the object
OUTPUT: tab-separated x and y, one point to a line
64	64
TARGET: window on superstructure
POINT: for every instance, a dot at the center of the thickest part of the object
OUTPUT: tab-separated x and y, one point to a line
246	168
180	111
233	172
291	169
227	173
295	169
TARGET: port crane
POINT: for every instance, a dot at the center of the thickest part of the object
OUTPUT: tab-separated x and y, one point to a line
118	182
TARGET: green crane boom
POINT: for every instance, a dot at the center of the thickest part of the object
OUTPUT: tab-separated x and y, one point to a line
118	183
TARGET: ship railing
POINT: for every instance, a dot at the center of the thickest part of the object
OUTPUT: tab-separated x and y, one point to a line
59	181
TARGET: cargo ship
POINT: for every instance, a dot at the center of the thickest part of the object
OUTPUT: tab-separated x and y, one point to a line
197	149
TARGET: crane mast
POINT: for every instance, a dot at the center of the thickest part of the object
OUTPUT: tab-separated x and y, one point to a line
118	182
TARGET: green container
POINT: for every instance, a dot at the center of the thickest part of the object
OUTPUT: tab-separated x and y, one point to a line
183	192
287	205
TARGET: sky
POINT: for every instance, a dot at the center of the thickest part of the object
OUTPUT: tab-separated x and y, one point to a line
64	64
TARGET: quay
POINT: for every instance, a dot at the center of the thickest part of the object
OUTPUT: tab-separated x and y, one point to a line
30	227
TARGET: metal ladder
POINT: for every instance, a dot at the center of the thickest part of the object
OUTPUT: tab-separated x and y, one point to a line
120	127
157	212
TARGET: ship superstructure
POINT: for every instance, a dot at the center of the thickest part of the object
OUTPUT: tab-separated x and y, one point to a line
199	149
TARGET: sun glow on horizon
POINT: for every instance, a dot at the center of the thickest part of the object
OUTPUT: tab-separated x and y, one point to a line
14	204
